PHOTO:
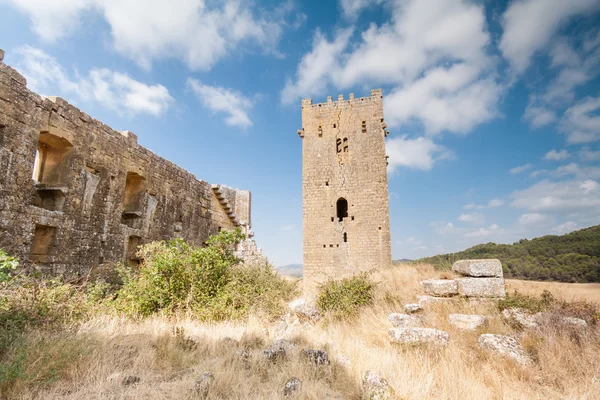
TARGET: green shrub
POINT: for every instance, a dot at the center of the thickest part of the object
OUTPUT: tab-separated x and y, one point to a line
532	303
7	265
343	298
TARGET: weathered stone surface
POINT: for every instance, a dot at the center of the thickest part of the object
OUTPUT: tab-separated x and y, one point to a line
96	194
481	287
467	321
575	322
412	308
279	349
317	357
1	54
291	386
376	387
304	309
205	381
526	319
491	268
440	287
345	212
505	346
521	316
404	320
418	336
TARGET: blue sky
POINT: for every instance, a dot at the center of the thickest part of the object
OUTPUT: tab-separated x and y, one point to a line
493	107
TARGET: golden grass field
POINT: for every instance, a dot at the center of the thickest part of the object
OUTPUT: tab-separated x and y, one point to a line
101	352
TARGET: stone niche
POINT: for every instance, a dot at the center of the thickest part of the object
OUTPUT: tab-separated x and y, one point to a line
51	171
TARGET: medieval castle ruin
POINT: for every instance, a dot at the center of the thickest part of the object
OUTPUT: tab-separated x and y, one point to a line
345	208
76	194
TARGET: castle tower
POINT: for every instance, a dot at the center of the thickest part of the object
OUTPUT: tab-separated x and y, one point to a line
344	188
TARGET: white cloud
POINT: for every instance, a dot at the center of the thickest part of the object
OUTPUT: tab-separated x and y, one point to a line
112	89
472	218
555	155
568	169
532	219
434	54
484	232
196	31
539	116
587	155
473	206
351	8
560	197
443	228
222	100
495	203
491	204
535	174
521	168
529	25
581	122
420	153
567	227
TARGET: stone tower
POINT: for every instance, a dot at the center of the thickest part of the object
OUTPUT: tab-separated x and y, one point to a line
344	188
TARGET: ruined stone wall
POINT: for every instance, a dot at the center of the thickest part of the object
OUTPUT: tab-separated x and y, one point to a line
91	195
343	158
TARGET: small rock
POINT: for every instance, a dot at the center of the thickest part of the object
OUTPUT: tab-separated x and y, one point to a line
418	336
202	384
343	361
404	320
574	322
376	387
505	346
301	307
278	350
491	268
317	357
467	321
440	287
412	308
291	386
481	287
243	354
130	380
521	316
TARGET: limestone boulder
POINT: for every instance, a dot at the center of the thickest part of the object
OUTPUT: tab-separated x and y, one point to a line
412	308
304	309
505	346
440	287
291	386
376	387
415	336
481	287
317	357
490	268
467	321
520	316
399	320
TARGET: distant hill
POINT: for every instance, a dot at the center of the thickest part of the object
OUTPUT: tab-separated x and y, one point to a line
402	260
291	269
574	257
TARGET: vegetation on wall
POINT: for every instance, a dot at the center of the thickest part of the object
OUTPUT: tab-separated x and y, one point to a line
574	257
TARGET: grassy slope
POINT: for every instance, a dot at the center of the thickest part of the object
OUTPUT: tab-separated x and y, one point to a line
574	257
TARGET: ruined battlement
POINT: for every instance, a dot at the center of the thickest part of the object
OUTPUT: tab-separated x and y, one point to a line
76	194
376	95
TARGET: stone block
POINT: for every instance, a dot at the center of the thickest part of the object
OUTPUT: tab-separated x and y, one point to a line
491	268
467	321
481	287
412	308
404	320
440	287
504	346
414	336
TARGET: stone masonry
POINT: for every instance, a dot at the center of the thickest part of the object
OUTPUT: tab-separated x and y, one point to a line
76	194
345	208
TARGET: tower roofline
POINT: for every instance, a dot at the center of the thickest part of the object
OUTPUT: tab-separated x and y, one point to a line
376	94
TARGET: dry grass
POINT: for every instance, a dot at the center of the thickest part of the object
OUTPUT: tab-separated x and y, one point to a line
91	360
565	291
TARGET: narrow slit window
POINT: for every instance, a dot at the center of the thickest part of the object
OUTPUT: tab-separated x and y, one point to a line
338	144
342	208
345	145
364	126
345	237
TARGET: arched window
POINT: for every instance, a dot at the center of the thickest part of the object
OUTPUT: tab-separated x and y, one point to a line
342	208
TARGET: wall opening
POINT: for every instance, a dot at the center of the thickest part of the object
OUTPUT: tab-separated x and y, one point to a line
342	208
133	200
132	246
345	145
51	166
345	237
52	199
43	240
338	145
364	126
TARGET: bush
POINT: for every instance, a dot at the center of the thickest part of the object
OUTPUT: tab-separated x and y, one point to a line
7	265
208	282
532	303
343	299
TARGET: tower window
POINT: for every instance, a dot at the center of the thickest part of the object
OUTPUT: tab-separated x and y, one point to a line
338	145
342	208
364	126
334	126
345	145
345	237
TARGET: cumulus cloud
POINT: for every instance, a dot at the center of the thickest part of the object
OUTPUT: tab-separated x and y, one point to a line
560	197
492	203
196	31
581	122
539	116
567	227
484	232
433	54
351	8
472	218
555	155
420	153
221	100
111	89
529	25
532	219
587	155
520	168
444	228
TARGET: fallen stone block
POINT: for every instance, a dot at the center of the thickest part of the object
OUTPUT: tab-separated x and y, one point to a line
491	268
505	346
467	321
521	317
404	320
304	309
440	287
414	336
481	287
412	308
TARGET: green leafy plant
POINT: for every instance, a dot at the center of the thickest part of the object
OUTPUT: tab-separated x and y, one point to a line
8	265
344	298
